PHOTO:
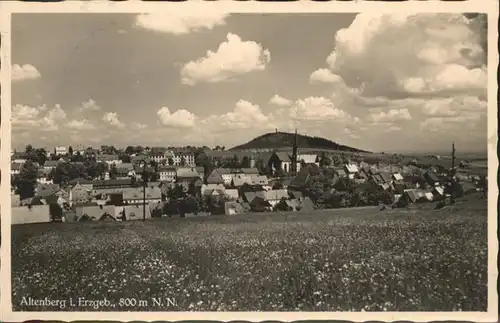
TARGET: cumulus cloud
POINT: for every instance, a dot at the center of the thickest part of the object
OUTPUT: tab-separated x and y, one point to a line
138	126
179	119
26	117
245	115
388	55
112	119
393	115
20	111
280	101
181	22
318	109
89	105
233	58
24	72
324	75
83	124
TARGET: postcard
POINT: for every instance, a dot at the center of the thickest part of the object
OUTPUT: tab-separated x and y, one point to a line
249	161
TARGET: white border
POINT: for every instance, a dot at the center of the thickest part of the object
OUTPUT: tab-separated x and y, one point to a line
486	6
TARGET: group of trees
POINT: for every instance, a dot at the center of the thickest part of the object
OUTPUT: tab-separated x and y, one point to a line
25	182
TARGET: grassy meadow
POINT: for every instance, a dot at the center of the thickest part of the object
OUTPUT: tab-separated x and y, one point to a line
417	259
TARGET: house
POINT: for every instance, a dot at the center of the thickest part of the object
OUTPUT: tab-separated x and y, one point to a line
136	195
138	171
50	164
274	196
60	150
341	173
123	173
250	196
259	204
431	178
112	183
184	159
43	177
214	193
220	176
248	171
186	174
232	194
89	184
15	168
161	155
92	213
109	159
33	214
19	160
259	180
233	207
212	187
280	160
80	194
414	195
438	192
386	186
167	174
47	190
386	177
397	177
132	212
239	179
351	170
307	159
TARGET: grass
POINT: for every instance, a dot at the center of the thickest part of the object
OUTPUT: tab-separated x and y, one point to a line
332	260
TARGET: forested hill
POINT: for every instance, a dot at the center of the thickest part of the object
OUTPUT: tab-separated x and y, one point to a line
276	140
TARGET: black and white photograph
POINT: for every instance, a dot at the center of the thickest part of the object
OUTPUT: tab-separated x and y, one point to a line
204	160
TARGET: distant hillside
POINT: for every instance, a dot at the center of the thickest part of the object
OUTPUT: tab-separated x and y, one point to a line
276	140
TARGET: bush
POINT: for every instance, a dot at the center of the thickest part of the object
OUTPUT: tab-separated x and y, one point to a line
55	211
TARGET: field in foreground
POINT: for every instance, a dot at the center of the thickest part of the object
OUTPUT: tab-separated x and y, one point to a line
332	260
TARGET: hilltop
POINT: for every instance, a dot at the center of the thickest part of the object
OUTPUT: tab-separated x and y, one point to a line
276	140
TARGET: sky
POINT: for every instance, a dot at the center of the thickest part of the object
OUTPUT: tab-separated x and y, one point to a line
412	82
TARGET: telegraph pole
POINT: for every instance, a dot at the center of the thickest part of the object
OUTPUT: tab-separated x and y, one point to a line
295	154
144	184
452	173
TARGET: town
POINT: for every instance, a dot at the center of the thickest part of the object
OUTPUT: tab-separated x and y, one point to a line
69	184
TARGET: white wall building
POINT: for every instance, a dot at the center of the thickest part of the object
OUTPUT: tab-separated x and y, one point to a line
61	150
167	174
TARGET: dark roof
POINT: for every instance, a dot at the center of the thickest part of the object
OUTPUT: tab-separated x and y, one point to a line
399	188
250	170
80	181
283	156
122	171
16	166
113	182
106	157
46	191
432	176
139	169
386	177
51	163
